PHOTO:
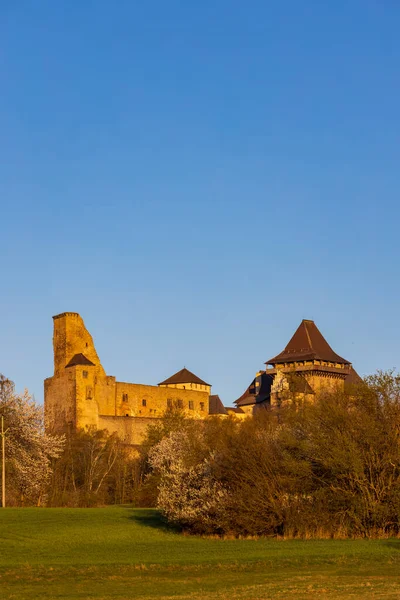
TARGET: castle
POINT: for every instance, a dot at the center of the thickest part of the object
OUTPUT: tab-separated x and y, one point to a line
80	394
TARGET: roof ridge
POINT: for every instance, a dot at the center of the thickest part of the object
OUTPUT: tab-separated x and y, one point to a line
184	376
308	335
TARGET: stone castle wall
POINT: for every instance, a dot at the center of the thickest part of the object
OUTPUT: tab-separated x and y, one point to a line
139	400
131	430
82	395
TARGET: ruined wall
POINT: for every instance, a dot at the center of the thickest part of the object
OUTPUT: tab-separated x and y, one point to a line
71	337
75	394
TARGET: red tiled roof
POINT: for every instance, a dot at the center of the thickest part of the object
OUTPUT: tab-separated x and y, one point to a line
307	343
216	406
183	376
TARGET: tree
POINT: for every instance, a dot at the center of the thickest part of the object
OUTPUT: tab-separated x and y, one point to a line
29	449
189	494
328	467
148	481
95	468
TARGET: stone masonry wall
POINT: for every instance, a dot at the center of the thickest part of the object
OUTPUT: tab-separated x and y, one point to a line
60	401
130	430
84	396
137	400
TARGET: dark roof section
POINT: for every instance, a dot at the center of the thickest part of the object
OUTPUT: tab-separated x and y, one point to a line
79	359
216	406
234	409
183	376
257	393
307	343
352	379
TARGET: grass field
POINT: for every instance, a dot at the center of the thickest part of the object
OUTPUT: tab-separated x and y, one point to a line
122	553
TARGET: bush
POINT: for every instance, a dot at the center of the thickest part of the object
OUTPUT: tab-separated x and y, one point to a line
329	468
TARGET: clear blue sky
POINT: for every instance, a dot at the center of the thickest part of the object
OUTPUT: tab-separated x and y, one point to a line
194	178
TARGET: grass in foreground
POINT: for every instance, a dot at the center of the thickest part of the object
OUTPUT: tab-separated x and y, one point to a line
121	553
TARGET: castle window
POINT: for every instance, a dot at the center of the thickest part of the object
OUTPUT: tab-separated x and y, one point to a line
144	402
124	397
191	405
84	374
180	403
169	402
89	393
201	405
127	415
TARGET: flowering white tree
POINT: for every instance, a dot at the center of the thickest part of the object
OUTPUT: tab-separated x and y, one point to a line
29	449
189	495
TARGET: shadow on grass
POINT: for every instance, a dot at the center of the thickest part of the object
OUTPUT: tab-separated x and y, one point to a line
393	544
154	519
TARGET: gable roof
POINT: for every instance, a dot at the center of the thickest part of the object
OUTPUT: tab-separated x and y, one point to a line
79	359
307	343
183	376
216	407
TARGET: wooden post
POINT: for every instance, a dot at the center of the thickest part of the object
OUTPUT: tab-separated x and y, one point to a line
3	468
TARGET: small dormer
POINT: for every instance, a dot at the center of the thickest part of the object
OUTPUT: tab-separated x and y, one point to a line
79	360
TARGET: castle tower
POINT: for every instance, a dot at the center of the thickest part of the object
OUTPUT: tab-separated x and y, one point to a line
70	338
79	380
304	368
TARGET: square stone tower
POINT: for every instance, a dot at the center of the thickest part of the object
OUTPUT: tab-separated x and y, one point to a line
306	366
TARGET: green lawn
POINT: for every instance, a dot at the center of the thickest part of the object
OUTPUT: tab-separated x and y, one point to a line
121	553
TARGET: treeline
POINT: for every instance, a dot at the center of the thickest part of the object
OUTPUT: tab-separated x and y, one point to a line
326	469
73	469
86	468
